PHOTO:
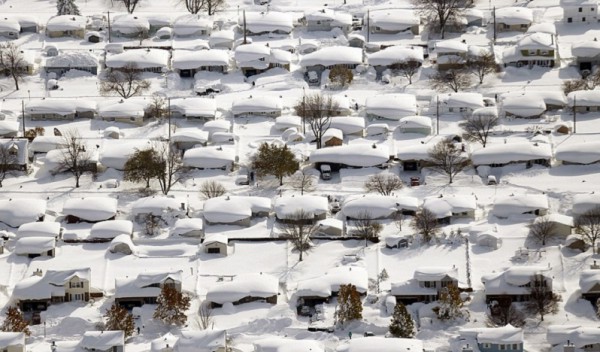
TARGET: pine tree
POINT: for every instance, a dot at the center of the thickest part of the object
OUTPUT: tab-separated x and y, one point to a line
172	305
449	303
402	324
272	159
349	304
15	322
118	318
67	7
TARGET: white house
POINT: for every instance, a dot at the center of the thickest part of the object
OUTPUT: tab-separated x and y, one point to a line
533	49
66	26
353	155
584	101
219	157
187	62
461	102
512	285
33	247
235	210
501	338
287	206
393	21
89	209
498	155
332	56
448	207
257	106
202	341
378	206
127	111
130	26
194	108
244	288
19	211
326	20
586	54
425	285
536	204
145	287
416	124
580	11
50	229
268	22
391	106
148	60
188	227
581	153
513	19
582	337
585	202
192	25
103	341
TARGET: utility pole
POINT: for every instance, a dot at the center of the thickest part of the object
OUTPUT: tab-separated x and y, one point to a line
169	116
23	116
494	17
244	14
437	115
368	25
108	26
303	111
575	113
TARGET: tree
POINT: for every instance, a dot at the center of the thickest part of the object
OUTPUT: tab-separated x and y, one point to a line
212	189
275	160
454	79
302	181
130	5
440	11
206	315
588	82
425	224
142	33
383	184
173	169
15	322
143	165
542	229
366	228
340	76
542	300
406	69
402	324
482	65
446	159
298	229
349	304
12	62
119	318
171	306
211	6
34	132
478	127
502	314
449	303
8	159
67	7
587	225
157	108
75	157
317	109
125	82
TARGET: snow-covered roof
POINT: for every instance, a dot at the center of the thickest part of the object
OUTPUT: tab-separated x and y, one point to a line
119	240
550	97
500	335
212	157
34	245
91	208
215	238
534	41
129	24
415	122
246	285
450	46
333	55
16	212
48	106
185	225
116	153
582	153
286	206
514	15
332	133
9	25
512	281
519	204
545	27
524	106
589	279
190	59
66	23
194	136
270	21
251	52
360	155
317	287
347	275
381	344
143	58
392	106
589	48
72	59
337	18
393	19
50	284
39	229
584	98
585	202
195	107
122	108
377	206
223	36
556	218
579	336
11	339
144	285
190	24
111	229
102	340
435	273
279	344
458	100
165	341
348	124
395	54
511	152
229	209
217	126
448	205
208	340
256	104
7	127
157	205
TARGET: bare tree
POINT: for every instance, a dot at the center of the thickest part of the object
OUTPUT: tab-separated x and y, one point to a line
317	109
302	181
588	82
406	69
75	157
440	11
502	314
206	315
298	229
8	160
478	127
542	229
383	184
212	189
12	62
213	6
425	223
210	6
366	228
157	108
142	33
482	65
126	81
446	159
542	300
587	225
453	79
130	5
173	170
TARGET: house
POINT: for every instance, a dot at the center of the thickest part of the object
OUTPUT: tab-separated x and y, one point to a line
553	99
381	344
391	106
586	54
44	144
103	341
19	211
544	27
493	339
332	137
146	60
18	150
499	155
191	26
326	20
533	49
12	341
130	26
188	227
244	288
584	202
287	206
332	56
235	210
223	39
60	109
212	157
256	58
453	103
580	11
280	344
527	107
54	162
187	62
346	275
584	101
416	124
34	247
105	231
51	229
353	155
200	109
446	208
510	19
71	60
145	288
264	106
535	204
426	284
161	207
390	58
257	23
126	111
158	21
393	21
215	243
9	28
451	54
66	26
41	290
116	153
187	139
378	206
513	284
329	228
28	23
89	209
202	341
589	284
164	343
570	337
561	225
9	129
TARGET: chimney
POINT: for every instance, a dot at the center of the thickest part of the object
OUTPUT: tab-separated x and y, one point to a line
467	348
595	266
37	272
569	347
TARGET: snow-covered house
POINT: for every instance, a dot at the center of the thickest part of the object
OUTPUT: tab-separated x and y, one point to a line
126	111
188	227
28	23
89	209
330	228
12	341
223	39
34	247
145	288
202	341
584	101
103	341
493	339
416	124
194	108
391	56
50	229
393	21
235	210
215	243
326	20
391	106
187	62
426	284
589	284
257	23
71	60
561	225
37	292
513	284
192	25
536	204
158	21
332	137
451	54
18	149
253	58
586	54
244	288
105	231
9	28
219	157
158	207
257	106
187	139
287	206
378	206
582	153
585	202
461	102
116	153
66	26
353	155
347	275
552	99
130	26
381	344
528	107
513	19
9	129
349	125
579	11
279	344
574	337
19	211
326	58
60	109
498	155
533	49
446	208
147	60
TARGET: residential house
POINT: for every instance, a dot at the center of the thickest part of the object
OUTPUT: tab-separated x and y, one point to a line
451	54
377	207
105	231
391	106
41	290
527	107
146	60
60	109
580	11
584	101
18	150
533	49
202	341
71	60
130	111
116	153
280	344
51	229
159	207
579	153
188	227
551	99
12	341
416	124
330	228
587	55
158	21
534	204
287	206
28	23
326	20
164	343
243	288
390	57
353	156
426	284
223	39
514	284
570	337
589	284
446	208
393	21
585	202
349	125
258	23
212	157
499	155
145	288
9	129
9	28
33	247
191	26
19	211
200	109
89	209
329	57
257	106
183	140
504	338
509	19
66	26
130	26
235	210
103	341
215	243
381	344
332	137
187	62
469	17
457	103
561	225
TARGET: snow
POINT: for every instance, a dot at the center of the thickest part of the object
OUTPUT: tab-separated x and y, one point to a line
435	273
11	339
111	228
34	245
524	106
499	335
157	205
129	24
514	15
9	25
186	225
585	49
585	202
381	344
190	136
209	339
581	153
519	204
347	275
209	157
66	23
511	152
450	46
115	153
392	106
458	100
447	206
16	212
50	284
395	54
377	206
39	229
334	55
230	209
195	107
286	206
190	24
144	285
143	58
584	98
91	209
215	238
247	285
393	19
579	336
415	122
256	105
184	59
337	18
8	127
272	21
511	281
102	340
359	155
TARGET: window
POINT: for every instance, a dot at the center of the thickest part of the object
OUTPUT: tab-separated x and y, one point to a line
544	52
583	19
502	347
515	346
580	9
487	345
532	51
76	284
78	297
570	20
524	26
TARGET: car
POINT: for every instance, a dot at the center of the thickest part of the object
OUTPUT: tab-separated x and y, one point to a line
242	180
368	333
313	77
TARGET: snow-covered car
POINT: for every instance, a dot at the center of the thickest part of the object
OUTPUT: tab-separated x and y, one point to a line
313	77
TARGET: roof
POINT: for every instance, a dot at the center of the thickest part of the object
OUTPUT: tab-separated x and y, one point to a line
194	107
331	133
512	280
286	206
317	287
207	340
458	100
408	122
190	59
588	279
337	18
144	285
445	206
91	208
72	59
395	54
102	340
511	152
393	19
122	108
578	335
190	24
333	55
111	229
536	41
514	15
256	104
143	58
230	209
360	155
270	21
194	136
116	153
501	335
66	23
39	229
450	46
11	339
158	205
215	238
279	344
34	245
392	106
129	23
556	218
16	212
584	98
49	285
246	285
9	25
212	157
586	49
377	206
585	202
582	153
381	344
435	273
519	204
524	106
184	225
347	275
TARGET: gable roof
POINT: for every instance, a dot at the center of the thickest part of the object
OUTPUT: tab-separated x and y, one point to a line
140	286
246	285
49	285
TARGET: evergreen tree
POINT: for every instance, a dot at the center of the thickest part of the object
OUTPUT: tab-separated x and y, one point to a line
272	159
67	7
15	322
144	165
118	318
172	305
402	324
349	304
449	303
